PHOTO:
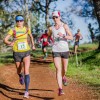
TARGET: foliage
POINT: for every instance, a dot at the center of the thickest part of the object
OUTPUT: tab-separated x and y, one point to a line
33	10
88	70
6	58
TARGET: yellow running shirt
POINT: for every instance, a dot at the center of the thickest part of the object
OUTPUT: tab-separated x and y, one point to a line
21	43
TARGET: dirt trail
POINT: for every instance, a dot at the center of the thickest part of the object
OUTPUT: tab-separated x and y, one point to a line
43	85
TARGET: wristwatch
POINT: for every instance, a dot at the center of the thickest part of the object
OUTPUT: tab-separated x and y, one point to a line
64	36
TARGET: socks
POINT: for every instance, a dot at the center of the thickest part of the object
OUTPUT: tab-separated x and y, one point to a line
20	75
27	81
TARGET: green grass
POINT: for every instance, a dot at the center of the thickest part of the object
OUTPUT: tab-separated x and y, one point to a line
88	70
6	58
85	47
38	52
89	67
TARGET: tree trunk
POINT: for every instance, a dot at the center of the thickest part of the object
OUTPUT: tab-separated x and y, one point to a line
97	11
27	14
47	13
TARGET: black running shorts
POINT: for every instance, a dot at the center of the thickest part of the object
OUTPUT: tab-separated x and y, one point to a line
18	56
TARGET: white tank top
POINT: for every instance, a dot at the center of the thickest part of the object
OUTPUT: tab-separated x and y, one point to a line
60	44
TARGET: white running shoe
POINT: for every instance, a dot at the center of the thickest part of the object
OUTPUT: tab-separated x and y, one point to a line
26	94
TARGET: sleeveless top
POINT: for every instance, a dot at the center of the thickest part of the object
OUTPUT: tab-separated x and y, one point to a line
20	43
60	43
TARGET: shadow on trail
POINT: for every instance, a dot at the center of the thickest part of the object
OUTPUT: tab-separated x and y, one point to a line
9	96
42	60
95	87
44	98
42	90
11	90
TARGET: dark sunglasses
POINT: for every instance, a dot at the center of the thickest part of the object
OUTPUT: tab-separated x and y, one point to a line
19	20
55	17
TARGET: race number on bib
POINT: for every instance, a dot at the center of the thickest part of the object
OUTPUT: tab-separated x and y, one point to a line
22	46
45	39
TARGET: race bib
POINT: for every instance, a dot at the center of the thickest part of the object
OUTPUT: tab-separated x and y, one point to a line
22	46
45	39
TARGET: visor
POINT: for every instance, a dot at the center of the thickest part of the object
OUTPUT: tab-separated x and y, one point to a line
19	18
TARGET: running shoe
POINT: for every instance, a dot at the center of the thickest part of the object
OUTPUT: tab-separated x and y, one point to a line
26	94
21	79
60	92
64	80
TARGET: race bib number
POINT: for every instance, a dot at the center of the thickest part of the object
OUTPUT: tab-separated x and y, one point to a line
45	39
22	46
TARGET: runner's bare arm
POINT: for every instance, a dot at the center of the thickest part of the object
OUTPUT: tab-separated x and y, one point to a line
6	40
69	36
81	37
32	41
50	31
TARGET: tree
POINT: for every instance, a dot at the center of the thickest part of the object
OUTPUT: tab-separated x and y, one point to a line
88	9
27	7
97	13
91	32
44	7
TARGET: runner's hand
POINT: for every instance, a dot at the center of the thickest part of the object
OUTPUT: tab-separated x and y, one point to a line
33	48
11	44
60	34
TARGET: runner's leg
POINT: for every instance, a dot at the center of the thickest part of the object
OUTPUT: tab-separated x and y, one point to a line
45	52
64	66
64	70
76	47
26	62
57	62
19	67
19	72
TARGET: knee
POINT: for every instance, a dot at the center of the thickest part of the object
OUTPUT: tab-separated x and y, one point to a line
58	70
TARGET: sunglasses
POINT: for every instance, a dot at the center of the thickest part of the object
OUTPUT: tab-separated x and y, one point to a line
55	17
19	20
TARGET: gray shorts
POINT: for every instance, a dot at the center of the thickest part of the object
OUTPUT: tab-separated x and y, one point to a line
44	47
18	56
61	54
76	43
